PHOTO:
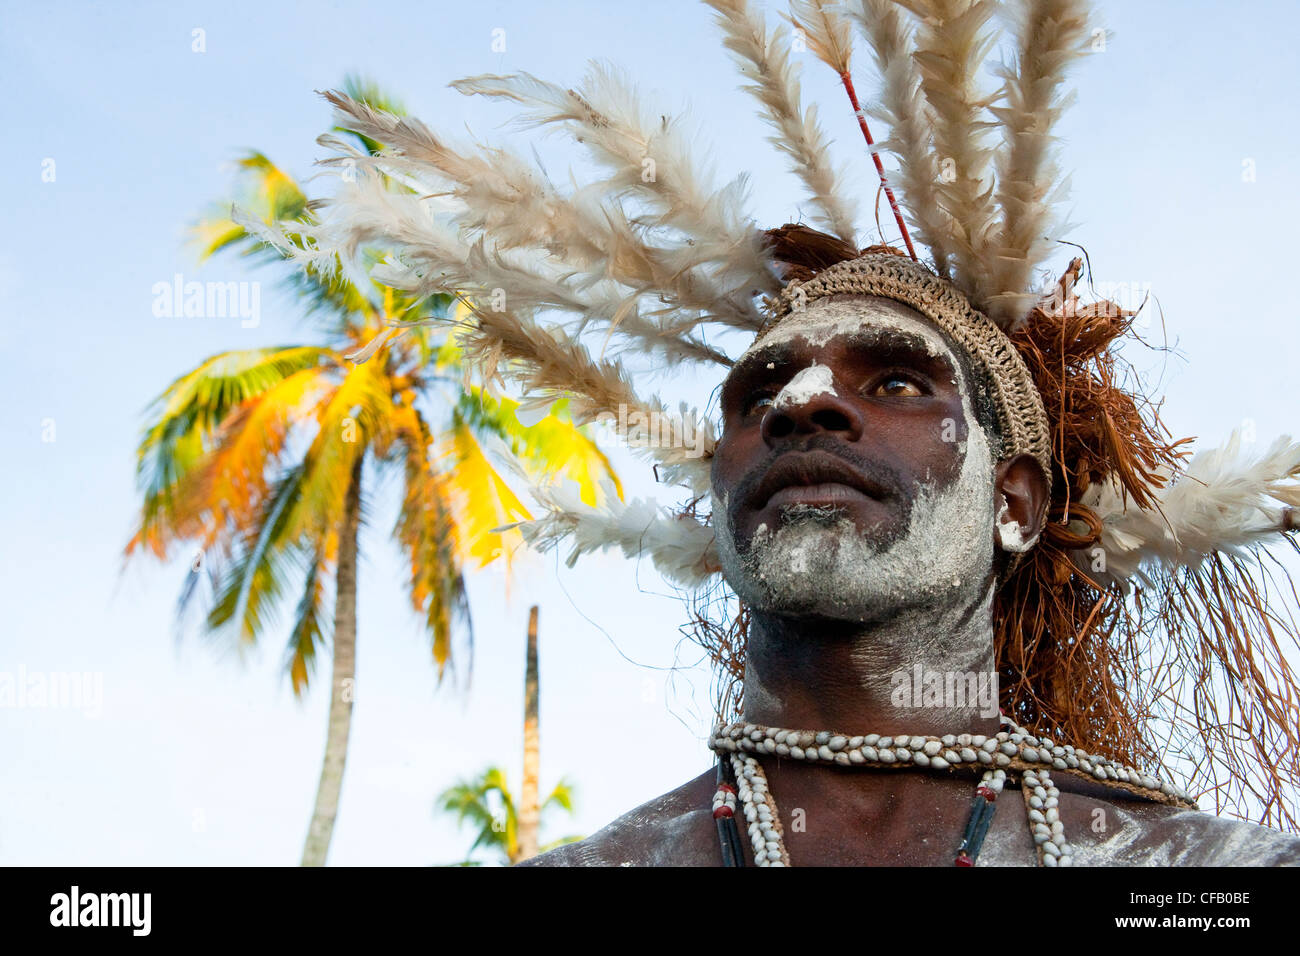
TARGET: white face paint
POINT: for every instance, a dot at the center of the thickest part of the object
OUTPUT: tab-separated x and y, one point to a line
808	384
821	563
1010	534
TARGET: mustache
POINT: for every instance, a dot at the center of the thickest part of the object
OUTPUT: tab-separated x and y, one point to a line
875	472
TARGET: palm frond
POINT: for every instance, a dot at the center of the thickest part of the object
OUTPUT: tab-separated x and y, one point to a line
429	537
312	621
552	447
254	580
480	499
182	423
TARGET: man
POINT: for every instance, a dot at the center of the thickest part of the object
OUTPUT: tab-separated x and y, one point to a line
933	496
863	518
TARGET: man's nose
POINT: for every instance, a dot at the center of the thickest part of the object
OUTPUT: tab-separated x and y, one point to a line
823	412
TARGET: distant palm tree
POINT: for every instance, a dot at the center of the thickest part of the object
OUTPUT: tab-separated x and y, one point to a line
530	811
511	826
488	805
257	458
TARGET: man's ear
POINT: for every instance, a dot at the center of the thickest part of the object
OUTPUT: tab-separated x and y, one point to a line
1019	501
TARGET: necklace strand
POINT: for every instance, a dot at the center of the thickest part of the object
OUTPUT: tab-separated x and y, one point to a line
1011	748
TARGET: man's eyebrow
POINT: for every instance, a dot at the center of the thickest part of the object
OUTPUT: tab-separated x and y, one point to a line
776	354
889	345
896	344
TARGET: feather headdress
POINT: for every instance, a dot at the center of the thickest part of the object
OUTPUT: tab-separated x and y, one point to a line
1142	623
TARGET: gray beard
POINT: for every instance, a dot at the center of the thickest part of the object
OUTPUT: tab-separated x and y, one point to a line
817	562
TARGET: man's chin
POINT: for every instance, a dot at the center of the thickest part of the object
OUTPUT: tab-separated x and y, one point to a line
812	564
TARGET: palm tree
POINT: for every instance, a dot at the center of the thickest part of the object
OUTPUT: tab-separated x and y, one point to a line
529	810
257	460
487	803
511	826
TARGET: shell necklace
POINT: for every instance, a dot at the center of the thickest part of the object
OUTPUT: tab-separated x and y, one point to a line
1013	748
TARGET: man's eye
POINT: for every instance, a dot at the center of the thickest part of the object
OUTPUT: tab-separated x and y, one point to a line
898	386
756	403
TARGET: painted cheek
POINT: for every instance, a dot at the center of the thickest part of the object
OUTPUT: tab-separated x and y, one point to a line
948	454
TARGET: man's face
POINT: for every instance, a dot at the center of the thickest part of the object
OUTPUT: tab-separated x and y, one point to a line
852	478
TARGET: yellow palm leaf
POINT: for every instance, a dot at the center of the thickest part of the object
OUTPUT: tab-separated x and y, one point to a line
348	419
232	481
481	500
551	448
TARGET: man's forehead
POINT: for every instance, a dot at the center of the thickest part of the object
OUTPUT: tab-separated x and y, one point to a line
862	322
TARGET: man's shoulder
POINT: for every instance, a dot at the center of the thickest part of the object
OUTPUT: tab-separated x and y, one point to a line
675	829
1106	828
1137	833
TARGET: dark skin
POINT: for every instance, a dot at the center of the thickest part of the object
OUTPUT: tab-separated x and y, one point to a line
893	406
894	424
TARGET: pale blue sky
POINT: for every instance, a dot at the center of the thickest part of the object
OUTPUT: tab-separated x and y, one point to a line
200	758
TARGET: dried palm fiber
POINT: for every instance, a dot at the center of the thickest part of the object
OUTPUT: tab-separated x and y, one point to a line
1142	624
1108	635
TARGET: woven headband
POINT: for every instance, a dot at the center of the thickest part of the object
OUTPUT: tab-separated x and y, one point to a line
1017	404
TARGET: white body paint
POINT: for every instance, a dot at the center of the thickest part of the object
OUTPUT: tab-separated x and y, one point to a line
807	384
926	576
834	570
1010	534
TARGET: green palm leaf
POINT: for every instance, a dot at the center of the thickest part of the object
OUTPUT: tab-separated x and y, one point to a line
256	457
185	418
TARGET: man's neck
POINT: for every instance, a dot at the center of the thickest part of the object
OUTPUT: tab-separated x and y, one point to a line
924	671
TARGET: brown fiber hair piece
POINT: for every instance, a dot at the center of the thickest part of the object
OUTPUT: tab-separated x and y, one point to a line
1185	677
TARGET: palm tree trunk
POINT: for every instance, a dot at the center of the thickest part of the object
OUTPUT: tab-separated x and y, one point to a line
529	812
344	678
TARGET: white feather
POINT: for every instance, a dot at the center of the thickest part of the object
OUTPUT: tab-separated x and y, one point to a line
763	60
1051	35
681	547
1224	500
587	234
606	117
952	41
826	31
910	137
